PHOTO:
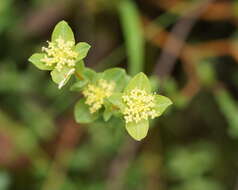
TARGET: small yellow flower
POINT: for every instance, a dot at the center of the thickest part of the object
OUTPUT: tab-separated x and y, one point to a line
95	94
59	54
140	105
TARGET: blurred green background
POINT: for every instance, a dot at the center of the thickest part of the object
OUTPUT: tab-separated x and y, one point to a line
190	50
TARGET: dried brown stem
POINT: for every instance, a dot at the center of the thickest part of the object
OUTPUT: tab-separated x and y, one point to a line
176	40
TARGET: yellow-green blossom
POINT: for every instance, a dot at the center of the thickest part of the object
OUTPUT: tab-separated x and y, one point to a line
59	54
95	94
140	105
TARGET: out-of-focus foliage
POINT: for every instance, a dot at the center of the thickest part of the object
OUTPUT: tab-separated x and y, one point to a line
193	146
192	167
7	14
4	180
134	40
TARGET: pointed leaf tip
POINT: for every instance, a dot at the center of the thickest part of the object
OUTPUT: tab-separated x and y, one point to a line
63	30
35	59
162	103
139	81
82	48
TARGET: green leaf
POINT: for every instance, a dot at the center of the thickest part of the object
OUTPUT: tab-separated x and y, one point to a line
36	60
89	74
139	130
112	107
80	66
79	85
82	48
139	81
62	77
162	103
79	70
82	113
114	74
107	114
63	30
117	75
116	101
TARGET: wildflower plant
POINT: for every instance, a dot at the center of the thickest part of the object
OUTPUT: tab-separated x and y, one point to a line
62	57
112	93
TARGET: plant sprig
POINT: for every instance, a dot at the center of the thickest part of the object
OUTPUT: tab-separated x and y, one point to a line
111	93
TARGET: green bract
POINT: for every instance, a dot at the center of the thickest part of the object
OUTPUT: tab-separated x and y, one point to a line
63	30
82	114
62	57
97	88
138	104
105	94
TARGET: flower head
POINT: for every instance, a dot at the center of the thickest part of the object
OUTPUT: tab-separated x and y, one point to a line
140	105
95	94
59	54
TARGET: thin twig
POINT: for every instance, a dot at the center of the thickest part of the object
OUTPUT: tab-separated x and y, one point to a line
120	164
176	40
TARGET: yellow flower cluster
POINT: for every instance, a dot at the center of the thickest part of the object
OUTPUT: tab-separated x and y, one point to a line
140	105
95	94
59	54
